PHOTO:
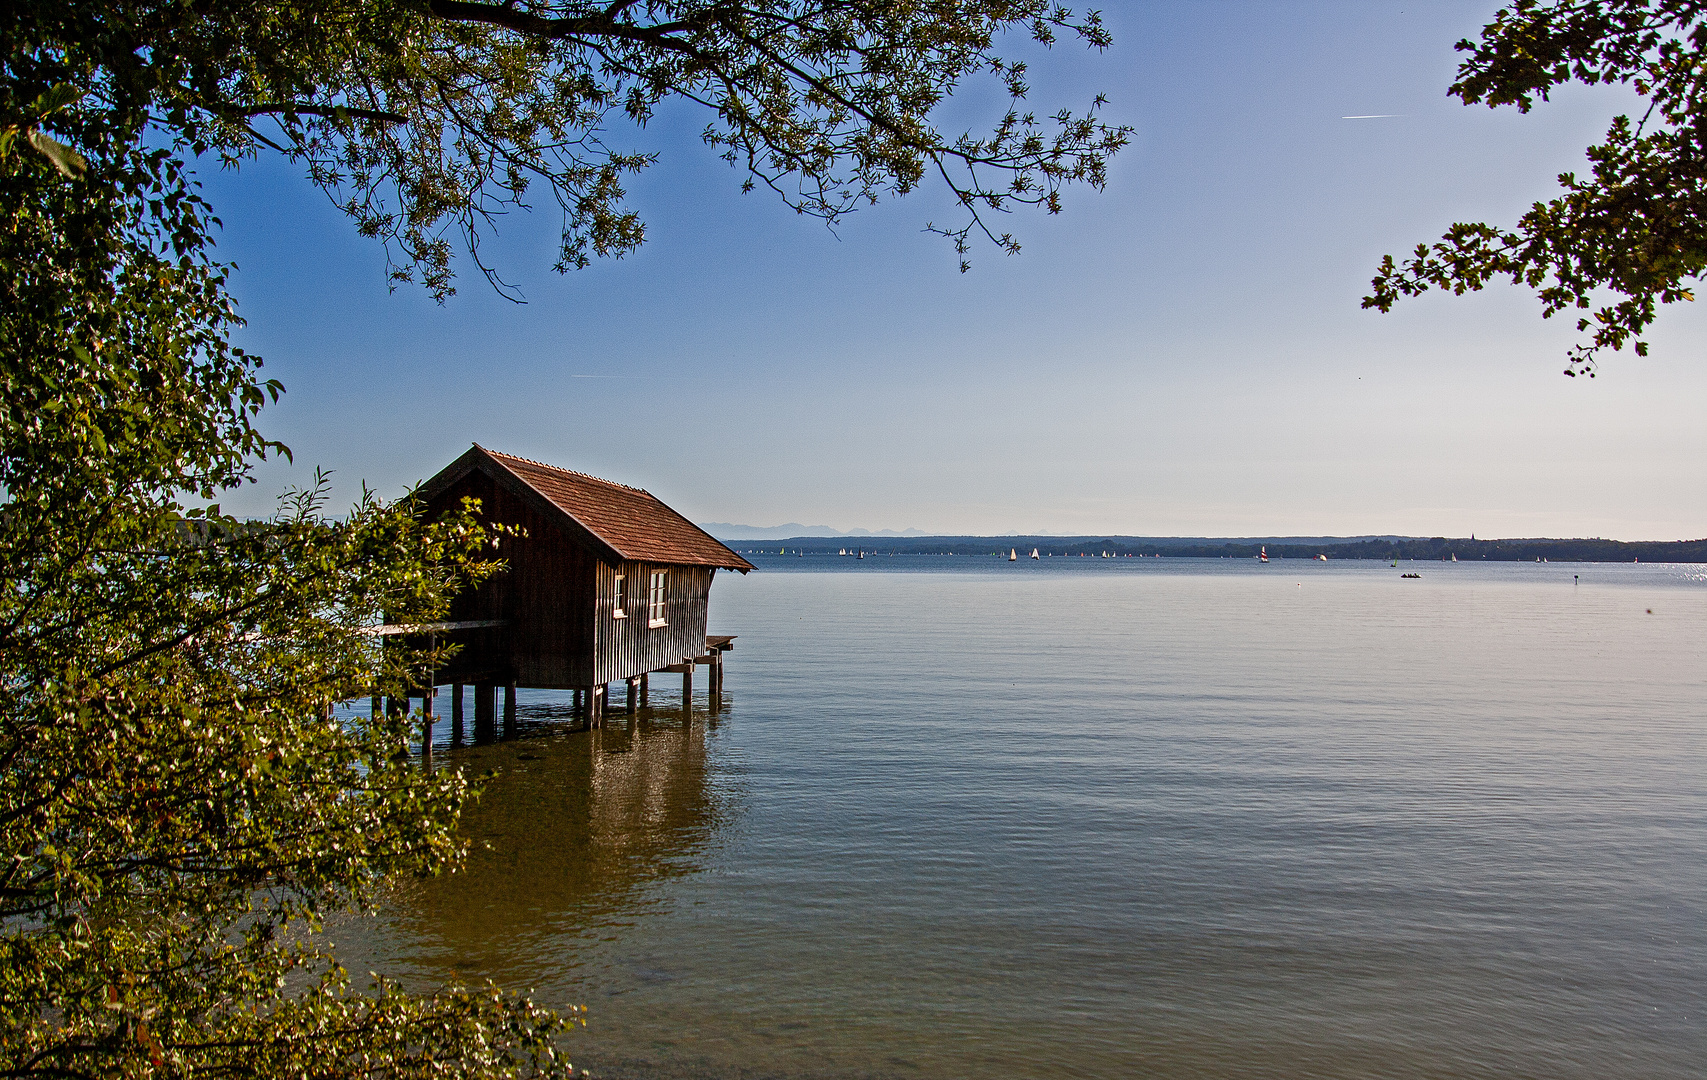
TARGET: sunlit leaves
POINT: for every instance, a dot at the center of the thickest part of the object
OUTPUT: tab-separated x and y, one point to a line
176	808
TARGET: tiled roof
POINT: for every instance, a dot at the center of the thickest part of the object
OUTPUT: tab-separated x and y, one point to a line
635	523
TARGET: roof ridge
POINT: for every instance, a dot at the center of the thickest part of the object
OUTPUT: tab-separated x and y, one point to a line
570	472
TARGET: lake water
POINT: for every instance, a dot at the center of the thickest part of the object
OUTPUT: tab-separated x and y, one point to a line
1116	818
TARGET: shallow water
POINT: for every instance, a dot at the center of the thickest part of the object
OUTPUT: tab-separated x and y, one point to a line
1106	818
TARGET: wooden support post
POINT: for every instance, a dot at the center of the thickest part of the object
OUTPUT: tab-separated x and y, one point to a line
397	706
427	728
716	677
644	679
376	706
485	712
595	706
456	714
510	709
687	690
633	696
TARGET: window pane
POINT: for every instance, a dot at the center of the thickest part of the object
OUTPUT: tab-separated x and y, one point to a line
655	598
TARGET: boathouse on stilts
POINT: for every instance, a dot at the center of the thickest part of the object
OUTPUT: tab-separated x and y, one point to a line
604	586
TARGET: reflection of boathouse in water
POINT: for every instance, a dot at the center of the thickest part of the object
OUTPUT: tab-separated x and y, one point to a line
624	811
604	583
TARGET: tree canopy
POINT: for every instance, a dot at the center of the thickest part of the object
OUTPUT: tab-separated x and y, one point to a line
180	797
1624	240
424	119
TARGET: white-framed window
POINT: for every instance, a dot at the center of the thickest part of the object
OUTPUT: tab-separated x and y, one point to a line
620	611
655	600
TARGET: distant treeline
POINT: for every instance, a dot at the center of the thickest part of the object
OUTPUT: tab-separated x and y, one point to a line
1432	548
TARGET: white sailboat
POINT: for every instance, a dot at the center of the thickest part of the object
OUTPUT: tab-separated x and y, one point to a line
1034	554
1013	555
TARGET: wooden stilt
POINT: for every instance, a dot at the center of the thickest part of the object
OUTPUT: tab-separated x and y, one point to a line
633	696
456	714
595	706
427	729
644	679
510	709
485	712
687	691
376	706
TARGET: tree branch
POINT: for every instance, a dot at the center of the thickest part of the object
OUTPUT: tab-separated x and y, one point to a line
288	108
601	25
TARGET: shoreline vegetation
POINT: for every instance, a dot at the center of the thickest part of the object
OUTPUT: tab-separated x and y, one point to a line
1282	547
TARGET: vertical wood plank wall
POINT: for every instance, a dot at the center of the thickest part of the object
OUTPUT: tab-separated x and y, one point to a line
558	602
628	647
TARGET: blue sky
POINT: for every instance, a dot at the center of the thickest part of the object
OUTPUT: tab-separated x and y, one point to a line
1182	354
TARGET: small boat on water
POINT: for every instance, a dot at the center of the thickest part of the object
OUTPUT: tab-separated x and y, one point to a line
1321	558
862	553
1262	553
1013	555
1454	556
1035	555
1410	575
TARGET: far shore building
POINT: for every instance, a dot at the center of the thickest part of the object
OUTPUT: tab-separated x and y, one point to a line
605	584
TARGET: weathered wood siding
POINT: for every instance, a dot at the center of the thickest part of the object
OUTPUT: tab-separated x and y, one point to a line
628	647
545	596
558	601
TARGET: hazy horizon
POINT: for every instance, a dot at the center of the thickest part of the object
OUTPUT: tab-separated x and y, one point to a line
725	531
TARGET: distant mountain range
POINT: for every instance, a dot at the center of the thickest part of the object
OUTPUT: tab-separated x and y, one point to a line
723	530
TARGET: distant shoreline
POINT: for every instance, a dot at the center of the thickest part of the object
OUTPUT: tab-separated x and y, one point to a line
1282	547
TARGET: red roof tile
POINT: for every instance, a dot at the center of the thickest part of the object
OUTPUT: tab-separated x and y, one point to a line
635	523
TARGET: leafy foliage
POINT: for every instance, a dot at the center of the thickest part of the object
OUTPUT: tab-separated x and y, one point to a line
1637	228
426	119
173	796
